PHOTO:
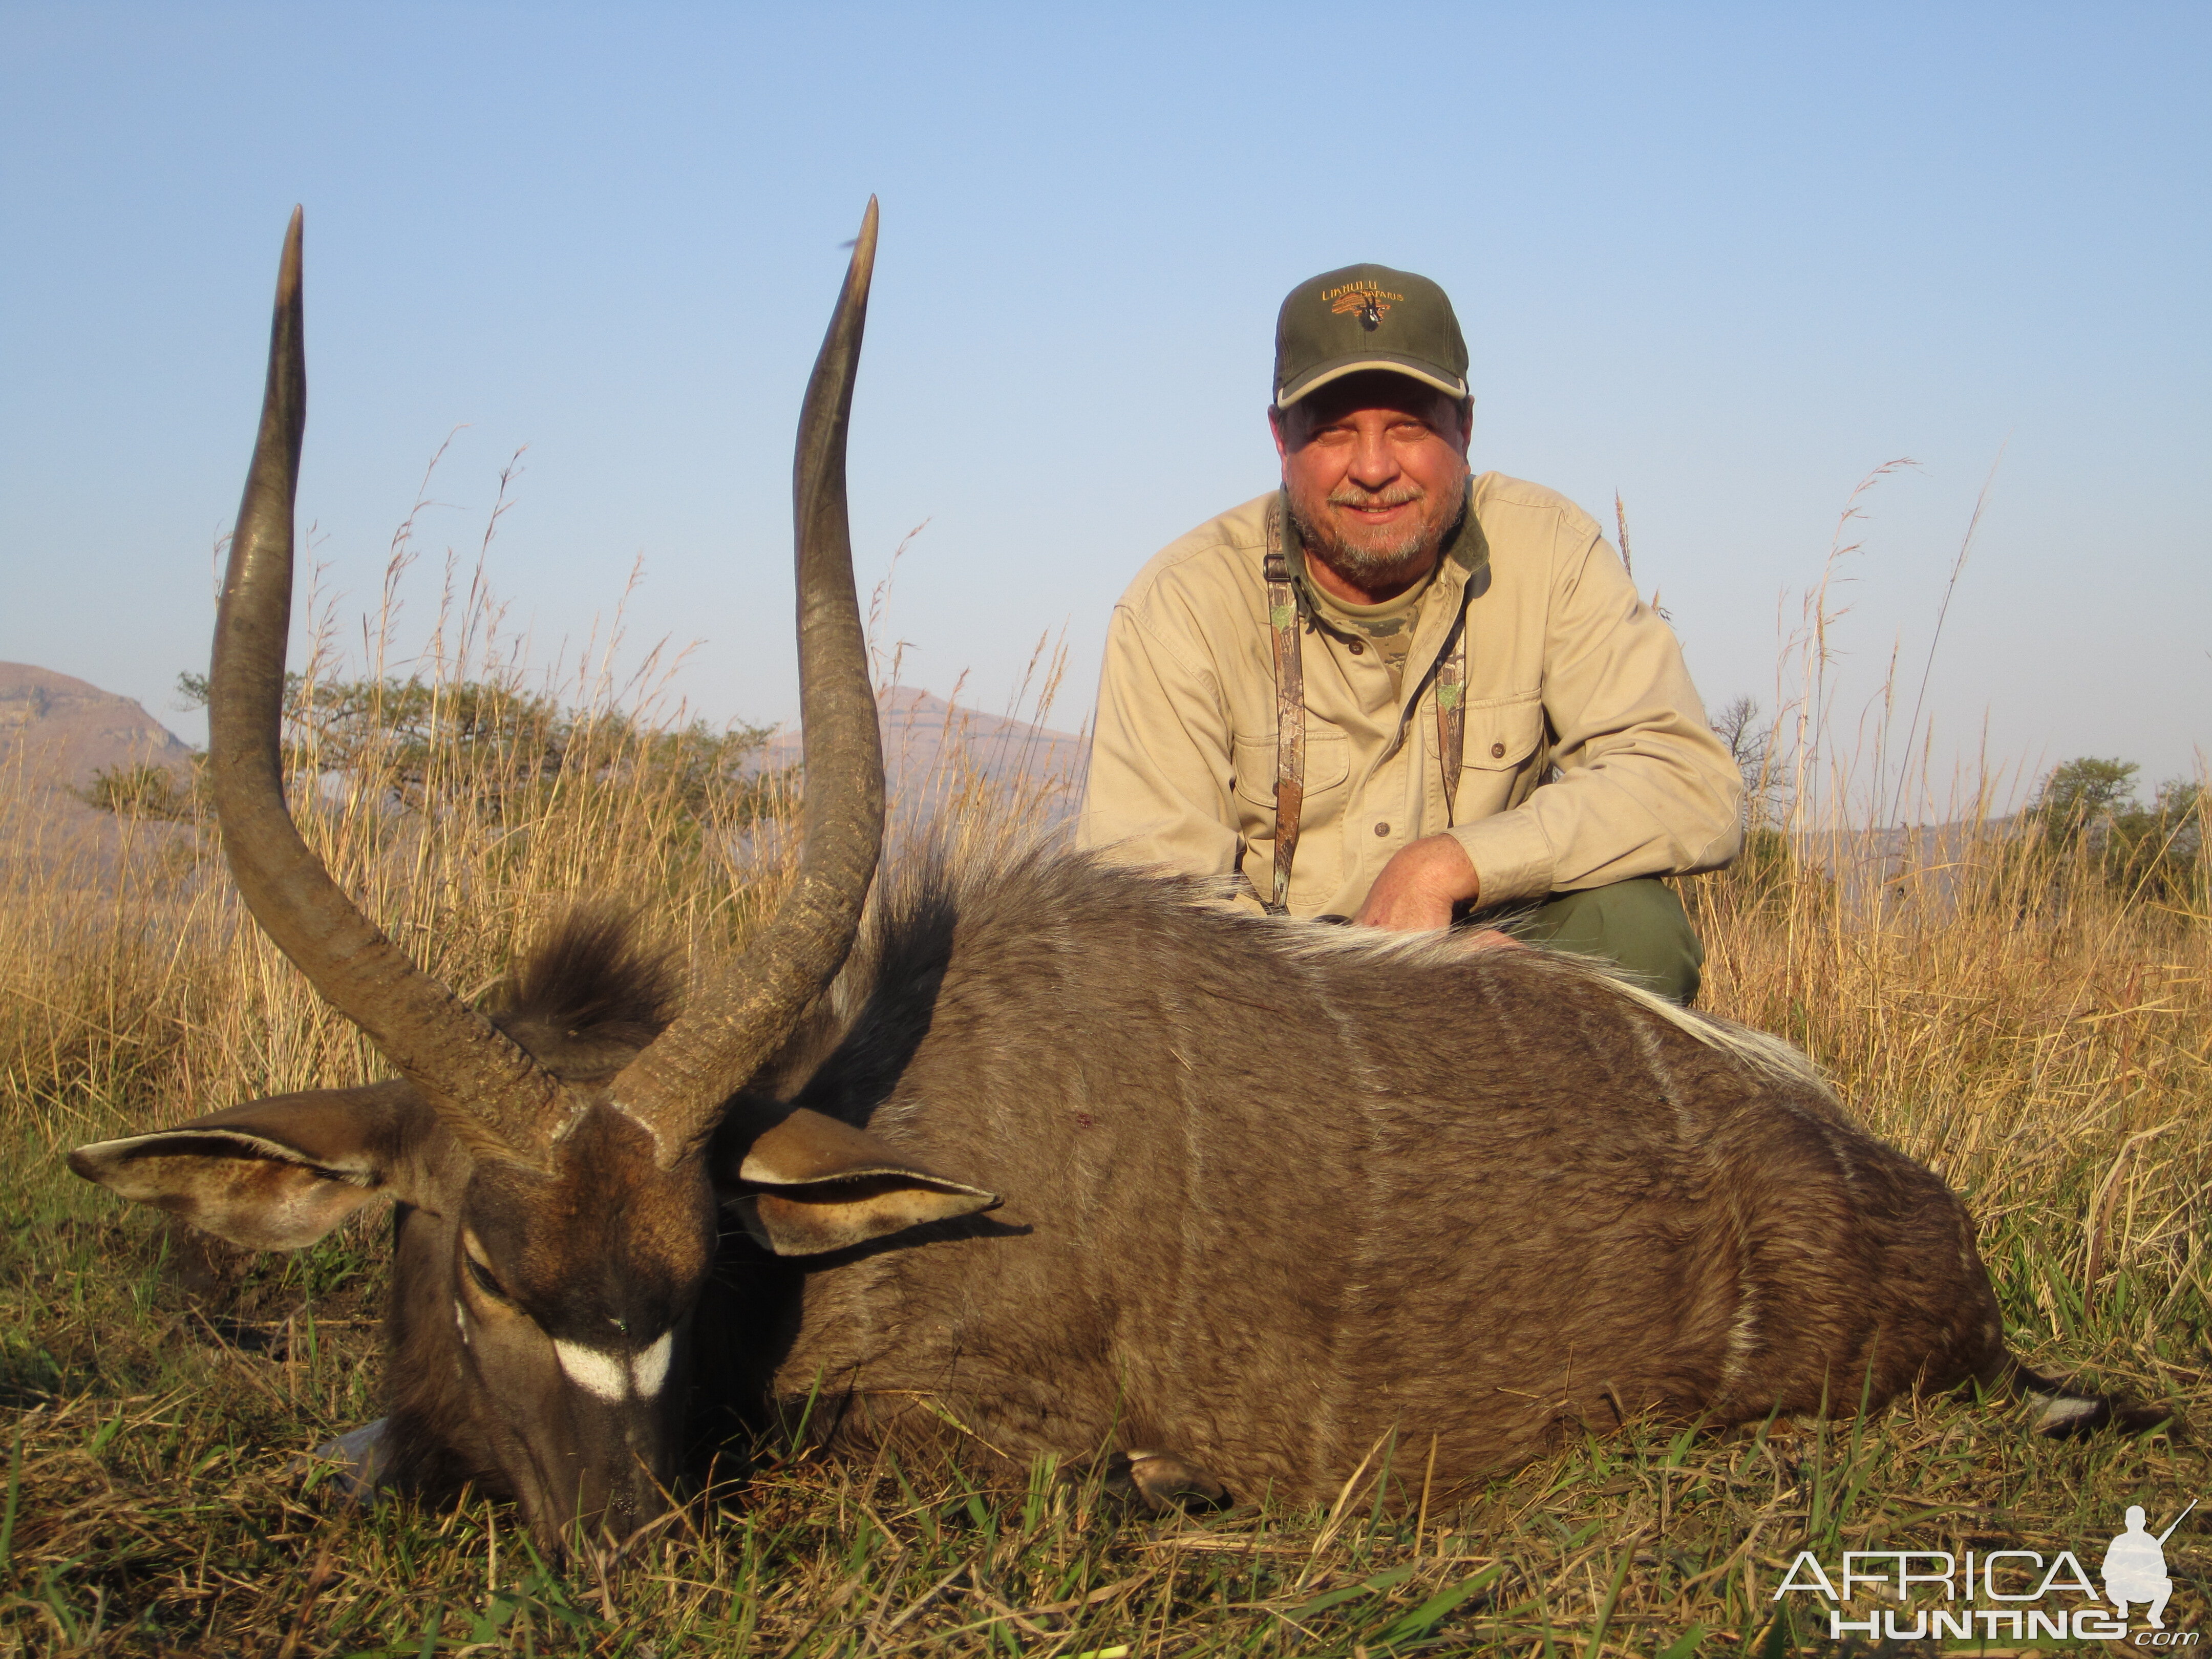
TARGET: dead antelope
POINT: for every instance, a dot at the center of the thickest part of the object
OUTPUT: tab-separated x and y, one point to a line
1273	1191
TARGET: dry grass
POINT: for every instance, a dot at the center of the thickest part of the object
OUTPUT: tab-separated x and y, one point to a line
2053	1058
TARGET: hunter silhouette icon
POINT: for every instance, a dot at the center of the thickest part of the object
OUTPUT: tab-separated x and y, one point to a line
2135	1567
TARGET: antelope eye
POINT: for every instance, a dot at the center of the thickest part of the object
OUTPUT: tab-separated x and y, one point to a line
482	1274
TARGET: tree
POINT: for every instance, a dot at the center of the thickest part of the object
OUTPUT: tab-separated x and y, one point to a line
2084	793
428	745
2088	807
1751	747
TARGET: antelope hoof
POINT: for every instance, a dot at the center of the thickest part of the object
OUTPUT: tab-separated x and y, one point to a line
1161	1482
355	1462
2074	1416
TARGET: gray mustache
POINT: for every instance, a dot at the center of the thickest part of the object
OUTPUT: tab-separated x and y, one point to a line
1399	496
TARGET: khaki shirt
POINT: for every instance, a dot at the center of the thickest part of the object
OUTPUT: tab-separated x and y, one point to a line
1566	669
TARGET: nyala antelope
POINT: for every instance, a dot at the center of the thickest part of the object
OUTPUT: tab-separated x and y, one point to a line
1065	1155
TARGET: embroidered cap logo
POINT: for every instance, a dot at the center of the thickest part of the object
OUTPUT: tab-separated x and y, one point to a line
1370	304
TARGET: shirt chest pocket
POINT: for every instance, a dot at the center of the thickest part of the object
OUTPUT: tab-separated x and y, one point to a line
1502	735
1329	765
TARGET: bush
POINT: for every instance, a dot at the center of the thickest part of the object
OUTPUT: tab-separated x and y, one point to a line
2086	811
146	791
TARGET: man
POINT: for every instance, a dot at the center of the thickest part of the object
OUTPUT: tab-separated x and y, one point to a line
1398	694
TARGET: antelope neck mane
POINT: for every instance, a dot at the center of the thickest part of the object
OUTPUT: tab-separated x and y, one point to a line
590	992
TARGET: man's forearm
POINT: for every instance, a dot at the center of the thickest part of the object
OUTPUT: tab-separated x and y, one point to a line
1419	888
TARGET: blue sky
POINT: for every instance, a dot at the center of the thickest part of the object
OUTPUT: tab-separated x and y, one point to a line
1724	260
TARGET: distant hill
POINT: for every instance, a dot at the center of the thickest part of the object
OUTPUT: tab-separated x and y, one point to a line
931	746
1924	864
55	733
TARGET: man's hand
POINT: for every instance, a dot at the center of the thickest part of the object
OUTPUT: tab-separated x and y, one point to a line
1417	890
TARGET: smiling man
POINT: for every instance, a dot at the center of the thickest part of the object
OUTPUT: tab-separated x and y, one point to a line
1397	693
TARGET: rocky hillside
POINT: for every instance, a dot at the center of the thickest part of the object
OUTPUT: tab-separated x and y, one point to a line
56	734
933	748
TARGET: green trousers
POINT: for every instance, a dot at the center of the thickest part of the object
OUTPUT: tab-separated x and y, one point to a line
1640	923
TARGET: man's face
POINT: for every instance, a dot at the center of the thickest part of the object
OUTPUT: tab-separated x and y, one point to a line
1376	467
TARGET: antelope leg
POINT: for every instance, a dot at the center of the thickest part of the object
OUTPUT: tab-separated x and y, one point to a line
1164	1480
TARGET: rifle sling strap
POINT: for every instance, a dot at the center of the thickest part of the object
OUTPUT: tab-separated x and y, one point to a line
1289	710
1451	715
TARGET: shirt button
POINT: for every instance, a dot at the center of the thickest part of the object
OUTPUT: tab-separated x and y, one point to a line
1356	646
1498	751
1382	829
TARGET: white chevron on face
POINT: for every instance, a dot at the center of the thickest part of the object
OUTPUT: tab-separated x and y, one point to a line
609	1376
650	1368
592	1371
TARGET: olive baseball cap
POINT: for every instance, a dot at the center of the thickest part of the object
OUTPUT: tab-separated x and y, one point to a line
1367	317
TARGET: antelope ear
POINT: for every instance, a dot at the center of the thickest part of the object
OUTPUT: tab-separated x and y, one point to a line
271	1174
806	1183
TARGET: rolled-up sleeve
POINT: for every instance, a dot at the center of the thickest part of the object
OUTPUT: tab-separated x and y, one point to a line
1645	787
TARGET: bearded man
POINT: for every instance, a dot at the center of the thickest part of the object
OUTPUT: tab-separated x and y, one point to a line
1399	694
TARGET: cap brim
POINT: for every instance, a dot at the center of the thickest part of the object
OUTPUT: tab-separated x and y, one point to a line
1321	374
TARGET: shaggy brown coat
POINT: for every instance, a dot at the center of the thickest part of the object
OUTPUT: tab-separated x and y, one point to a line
1274	1190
